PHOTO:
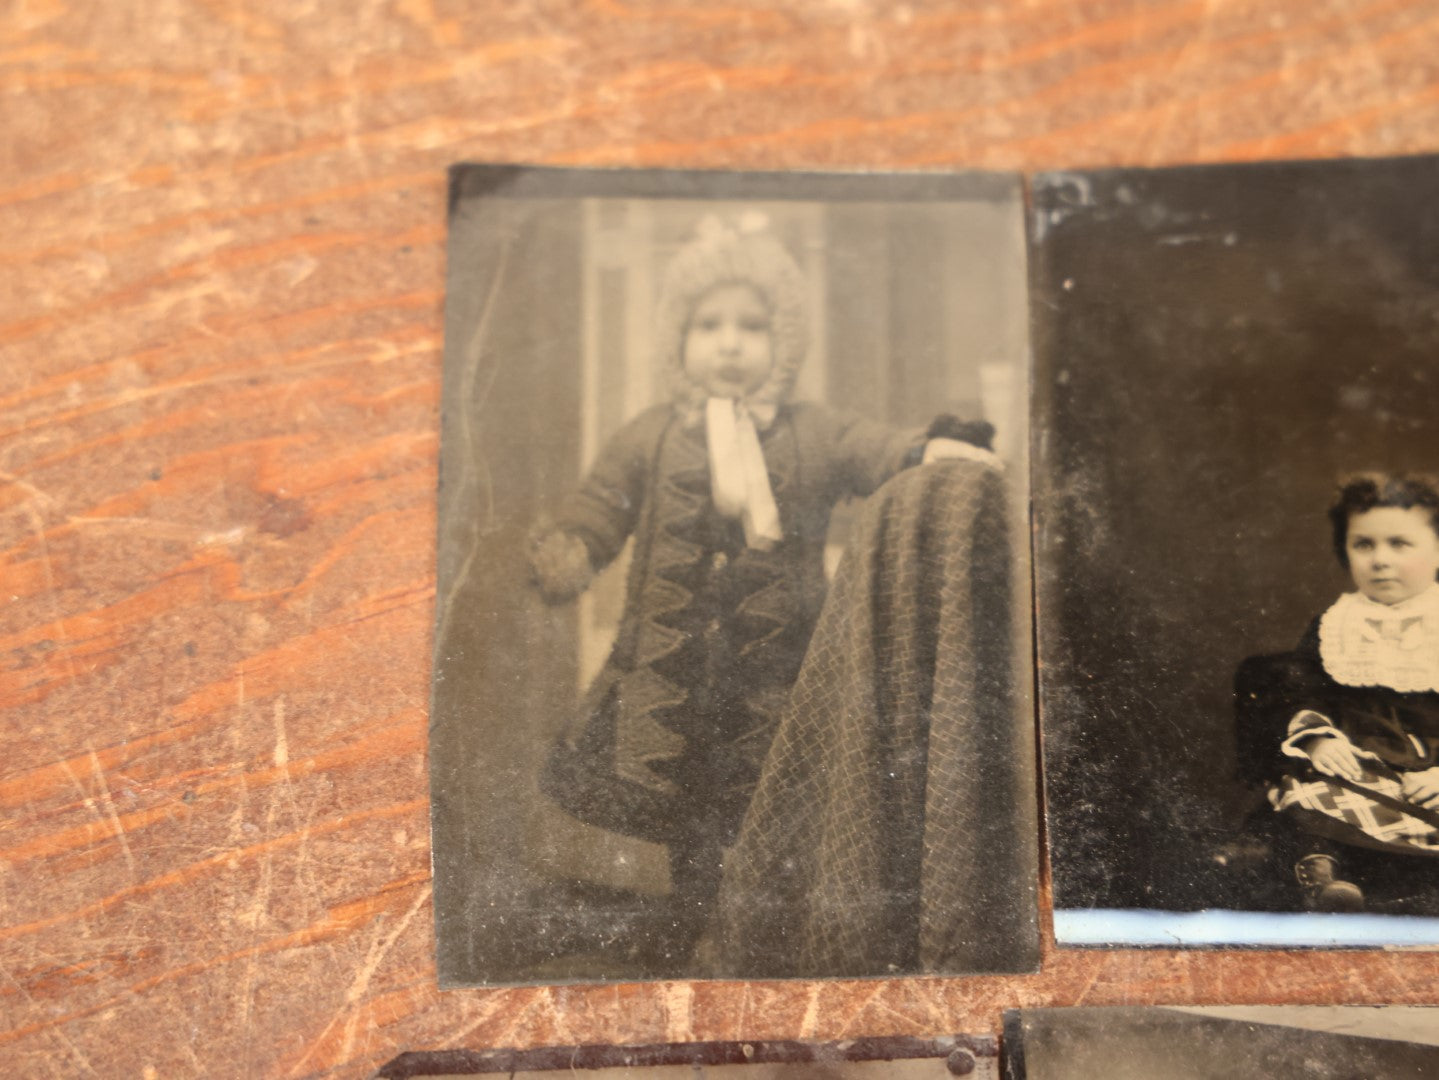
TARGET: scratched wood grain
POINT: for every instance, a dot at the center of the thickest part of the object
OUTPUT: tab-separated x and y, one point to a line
219	369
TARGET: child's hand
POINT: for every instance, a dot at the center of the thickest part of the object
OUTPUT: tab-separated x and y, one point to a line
1423	787
1334	756
939	449
560	565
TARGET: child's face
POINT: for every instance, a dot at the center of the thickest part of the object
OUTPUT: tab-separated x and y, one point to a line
727	347
1393	552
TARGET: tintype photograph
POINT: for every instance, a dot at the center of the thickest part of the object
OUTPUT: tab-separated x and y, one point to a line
888	1058
1237	523
1275	1042
733	647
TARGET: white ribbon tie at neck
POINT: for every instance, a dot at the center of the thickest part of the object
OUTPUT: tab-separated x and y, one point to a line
739	480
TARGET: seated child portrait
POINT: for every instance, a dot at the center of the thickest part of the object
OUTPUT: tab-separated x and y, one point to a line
1356	766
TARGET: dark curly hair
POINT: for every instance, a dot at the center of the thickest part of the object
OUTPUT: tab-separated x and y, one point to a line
1363	492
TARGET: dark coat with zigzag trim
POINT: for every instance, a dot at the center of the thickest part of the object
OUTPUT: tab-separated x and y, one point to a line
669	739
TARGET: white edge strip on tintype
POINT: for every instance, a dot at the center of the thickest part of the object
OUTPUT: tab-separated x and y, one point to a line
1176	929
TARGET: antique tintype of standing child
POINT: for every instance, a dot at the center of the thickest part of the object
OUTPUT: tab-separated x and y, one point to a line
727	490
1360	755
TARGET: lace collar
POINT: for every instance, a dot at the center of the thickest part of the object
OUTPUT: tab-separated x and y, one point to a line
1365	643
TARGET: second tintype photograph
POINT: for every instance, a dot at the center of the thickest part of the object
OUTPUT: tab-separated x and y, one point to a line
1237	521
733	653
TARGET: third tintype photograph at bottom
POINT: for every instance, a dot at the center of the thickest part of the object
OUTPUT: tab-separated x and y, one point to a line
1239	1042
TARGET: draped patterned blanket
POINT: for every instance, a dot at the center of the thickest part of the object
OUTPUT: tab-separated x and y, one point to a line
894	825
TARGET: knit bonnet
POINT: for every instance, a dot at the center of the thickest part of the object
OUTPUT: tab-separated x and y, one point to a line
723	253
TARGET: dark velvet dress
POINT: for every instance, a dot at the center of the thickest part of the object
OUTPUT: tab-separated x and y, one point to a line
1399	728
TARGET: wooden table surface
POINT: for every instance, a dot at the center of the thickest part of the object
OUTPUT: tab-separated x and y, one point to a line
219	377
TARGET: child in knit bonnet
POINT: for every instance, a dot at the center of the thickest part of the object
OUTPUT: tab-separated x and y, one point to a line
727	491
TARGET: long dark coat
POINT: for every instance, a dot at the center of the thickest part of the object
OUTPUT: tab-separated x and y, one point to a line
669	739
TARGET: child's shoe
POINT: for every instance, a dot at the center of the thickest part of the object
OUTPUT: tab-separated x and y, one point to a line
1323	889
